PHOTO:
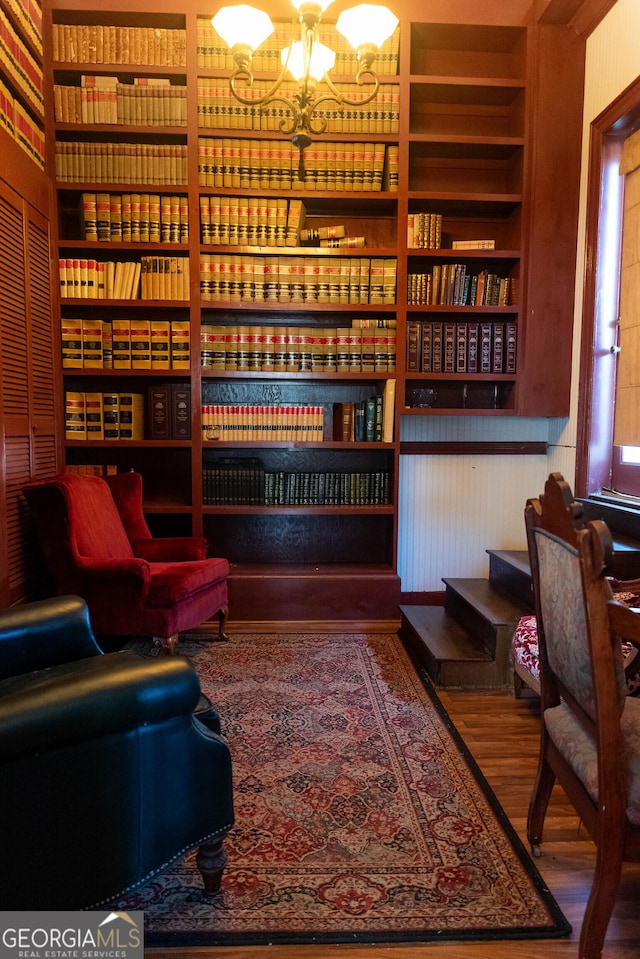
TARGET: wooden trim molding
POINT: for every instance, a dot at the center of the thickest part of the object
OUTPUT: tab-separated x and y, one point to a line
490	448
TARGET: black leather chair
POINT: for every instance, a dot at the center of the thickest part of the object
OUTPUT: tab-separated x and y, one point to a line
106	775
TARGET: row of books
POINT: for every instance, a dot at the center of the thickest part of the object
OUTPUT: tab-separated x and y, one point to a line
237	163
101	43
28	15
104	416
18	123
424	231
297	279
450	284
219	109
135	218
125	344
159	164
17	62
123	416
108	101
470	347
169	409
292	349
250	221
240	482
299	423
214	54
366	421
150	278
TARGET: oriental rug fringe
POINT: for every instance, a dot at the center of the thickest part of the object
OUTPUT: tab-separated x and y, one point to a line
360	815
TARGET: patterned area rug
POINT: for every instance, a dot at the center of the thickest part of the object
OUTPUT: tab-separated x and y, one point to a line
360	817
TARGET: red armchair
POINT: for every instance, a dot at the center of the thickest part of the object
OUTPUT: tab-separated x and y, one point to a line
133	587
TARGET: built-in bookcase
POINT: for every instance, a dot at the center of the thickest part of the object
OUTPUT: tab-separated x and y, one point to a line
419	309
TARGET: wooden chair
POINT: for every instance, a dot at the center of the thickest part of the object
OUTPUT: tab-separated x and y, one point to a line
590	730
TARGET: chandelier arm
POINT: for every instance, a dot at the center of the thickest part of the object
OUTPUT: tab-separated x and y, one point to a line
340	98
242	73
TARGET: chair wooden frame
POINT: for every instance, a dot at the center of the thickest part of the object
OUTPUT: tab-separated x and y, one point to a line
606	622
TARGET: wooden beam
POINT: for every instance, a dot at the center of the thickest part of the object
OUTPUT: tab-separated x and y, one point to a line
581	16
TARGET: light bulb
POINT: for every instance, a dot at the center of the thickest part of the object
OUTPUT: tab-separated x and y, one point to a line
366	24
322	59
242	24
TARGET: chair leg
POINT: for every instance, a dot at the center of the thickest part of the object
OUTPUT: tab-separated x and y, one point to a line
211	859
167	644
222	618
601	899
545	780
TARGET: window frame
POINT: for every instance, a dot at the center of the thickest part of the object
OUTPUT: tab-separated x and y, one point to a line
595	452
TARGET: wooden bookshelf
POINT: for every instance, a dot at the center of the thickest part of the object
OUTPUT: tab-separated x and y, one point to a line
458	143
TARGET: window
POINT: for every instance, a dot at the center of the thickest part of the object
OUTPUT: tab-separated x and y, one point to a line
602	465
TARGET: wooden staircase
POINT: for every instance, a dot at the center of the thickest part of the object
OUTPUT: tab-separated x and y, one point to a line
466	643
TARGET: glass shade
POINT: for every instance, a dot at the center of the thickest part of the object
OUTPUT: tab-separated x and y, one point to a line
366	24
242	24
322	59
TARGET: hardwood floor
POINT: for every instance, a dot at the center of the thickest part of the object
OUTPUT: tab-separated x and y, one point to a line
502	734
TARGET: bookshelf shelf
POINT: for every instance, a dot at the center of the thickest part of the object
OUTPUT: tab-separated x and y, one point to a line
294	510
361	447
129	444
293	376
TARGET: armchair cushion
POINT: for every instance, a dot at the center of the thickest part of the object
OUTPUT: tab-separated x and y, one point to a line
168	585
579	749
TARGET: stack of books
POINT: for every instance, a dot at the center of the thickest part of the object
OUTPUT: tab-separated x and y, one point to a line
234	481
226	277
163	164
105	100
218	108
95	43
451	284
125	344
242	422
104	416
169	411
367	346
436	346
213	53
424	231
366	421
150	278
135	218
273	165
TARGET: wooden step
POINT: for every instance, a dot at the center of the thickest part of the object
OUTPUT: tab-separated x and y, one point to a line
448	651
510	575
481	609
301	594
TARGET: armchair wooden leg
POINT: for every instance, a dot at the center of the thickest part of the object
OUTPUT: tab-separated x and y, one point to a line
222	618
167	644
545	780
211	859
602	898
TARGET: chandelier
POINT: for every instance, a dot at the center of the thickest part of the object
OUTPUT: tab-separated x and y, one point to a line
245	28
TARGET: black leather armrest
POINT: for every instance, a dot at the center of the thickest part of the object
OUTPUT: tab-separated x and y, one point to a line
43	634
90	698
